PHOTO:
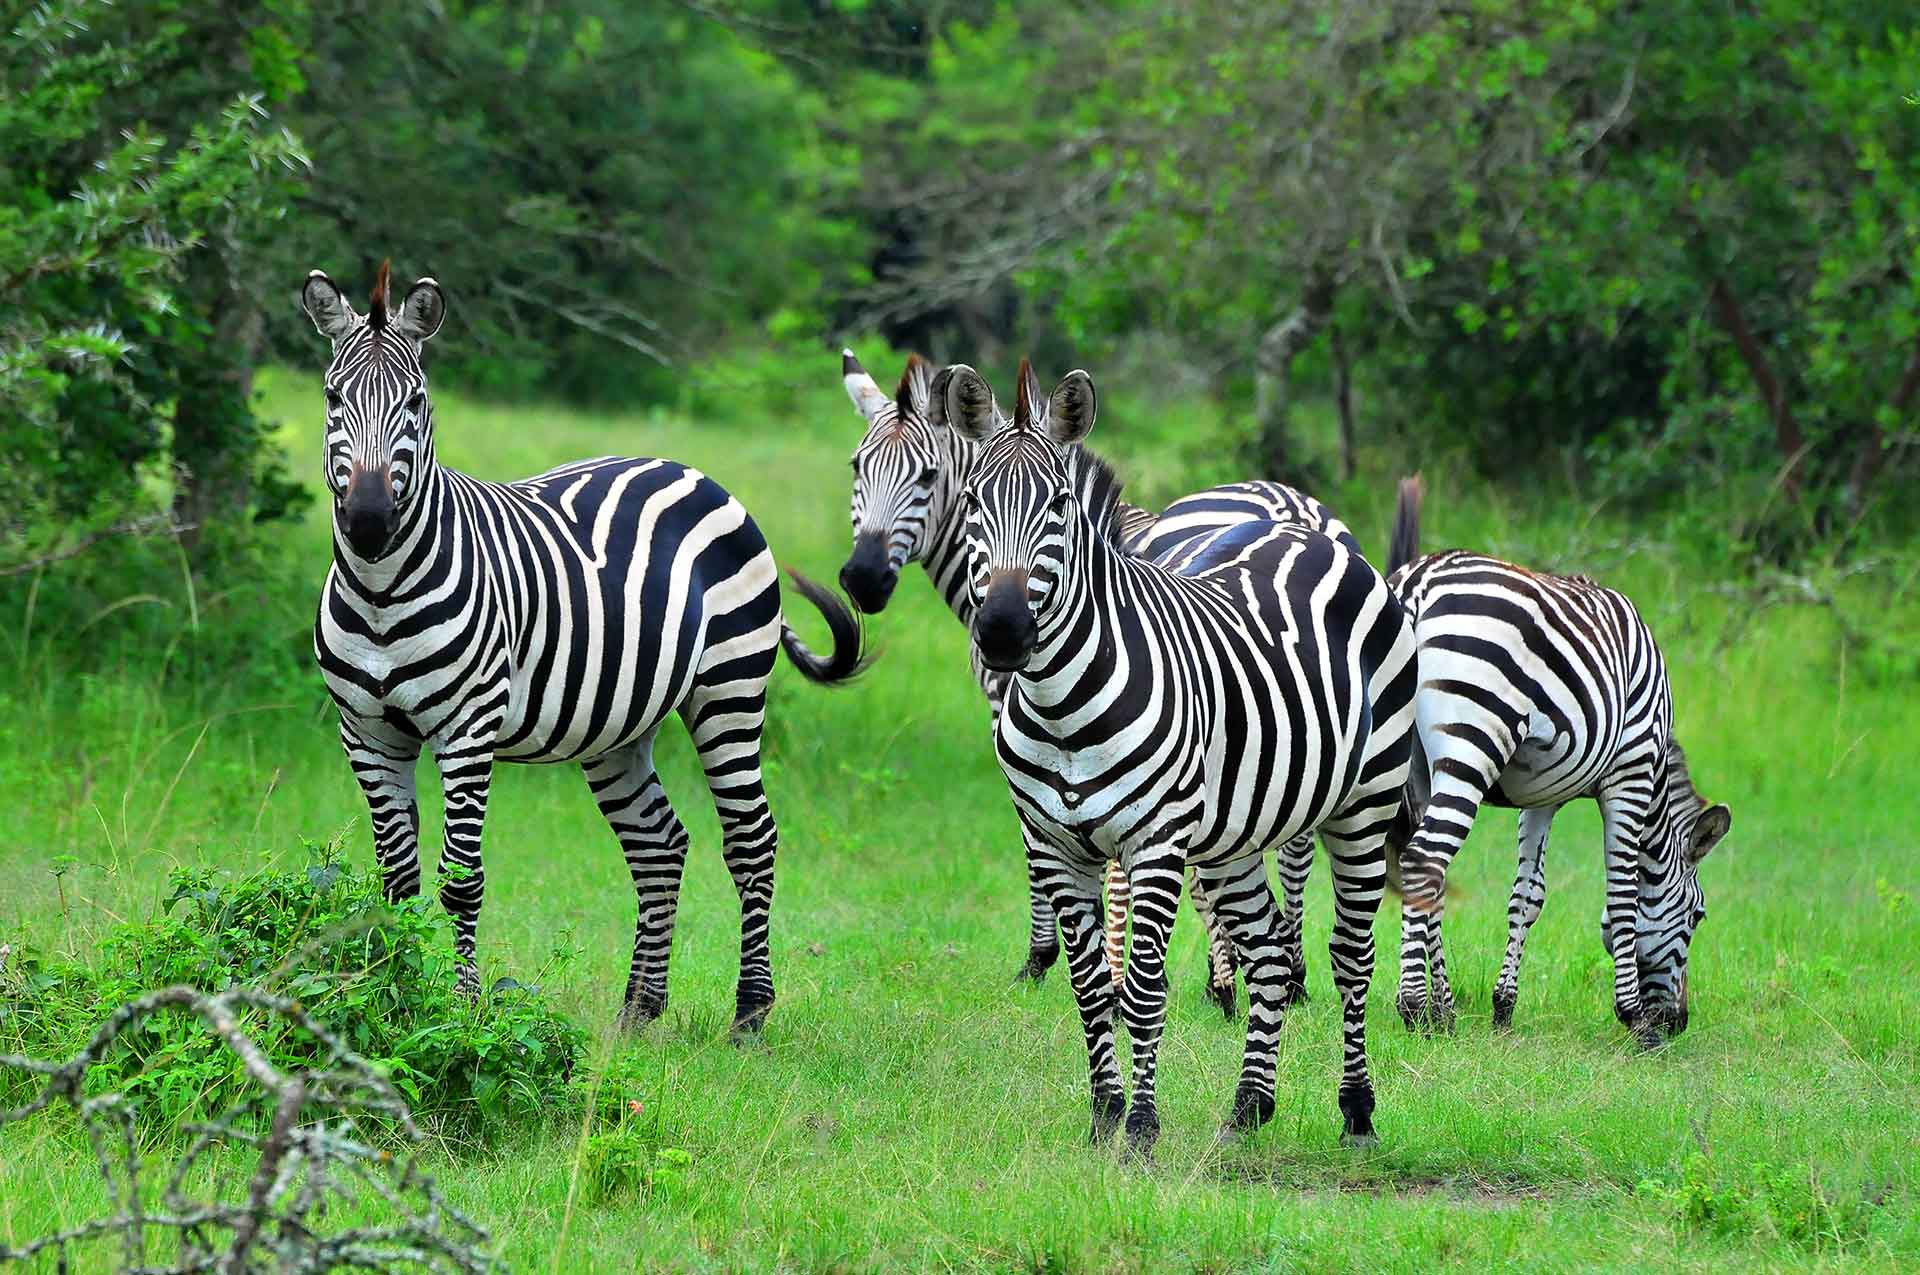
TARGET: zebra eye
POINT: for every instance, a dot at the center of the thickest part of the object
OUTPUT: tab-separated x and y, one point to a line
334	401
417	402
1059	501
926	475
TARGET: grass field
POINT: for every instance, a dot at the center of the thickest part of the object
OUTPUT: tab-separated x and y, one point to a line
909	1108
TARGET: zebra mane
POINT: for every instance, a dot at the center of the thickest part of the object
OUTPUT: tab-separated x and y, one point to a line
377	304
1682	796
1097	487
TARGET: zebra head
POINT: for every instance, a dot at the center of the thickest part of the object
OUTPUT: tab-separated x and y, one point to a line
379	437
1016	504
1671	904
899	487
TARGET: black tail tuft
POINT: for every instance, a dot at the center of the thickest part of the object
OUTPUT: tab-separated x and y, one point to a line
1404	547
847	661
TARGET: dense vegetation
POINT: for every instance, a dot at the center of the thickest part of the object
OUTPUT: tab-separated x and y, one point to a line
1663	249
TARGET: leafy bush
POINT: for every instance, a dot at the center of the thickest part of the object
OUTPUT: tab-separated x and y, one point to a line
631	1148
380	976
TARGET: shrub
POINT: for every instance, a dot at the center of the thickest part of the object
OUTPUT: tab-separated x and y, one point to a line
380	976
1765	1202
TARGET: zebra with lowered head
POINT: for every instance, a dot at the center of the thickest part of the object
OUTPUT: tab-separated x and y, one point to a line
1182	716
558	618
908	470
1535	690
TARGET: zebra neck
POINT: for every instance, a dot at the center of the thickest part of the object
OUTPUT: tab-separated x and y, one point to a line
945	556
1086	623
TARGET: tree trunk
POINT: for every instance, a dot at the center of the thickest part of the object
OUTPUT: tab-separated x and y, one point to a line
1871	453
1343	400
1786	430
1273	362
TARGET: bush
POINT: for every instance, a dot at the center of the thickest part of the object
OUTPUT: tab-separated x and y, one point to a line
379	976
1764	1203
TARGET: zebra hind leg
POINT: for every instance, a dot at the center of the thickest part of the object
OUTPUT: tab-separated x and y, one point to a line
654	844
1356	852
1221	965
725	721
1523	909
1295	861
1244	901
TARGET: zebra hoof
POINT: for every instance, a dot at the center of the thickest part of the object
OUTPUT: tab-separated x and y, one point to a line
1503	1011
1413	1012
640	1011
1225	996
1143	1130
1647	1033
1356	1118
750	1016
1251	1109
1039	961
1108	1111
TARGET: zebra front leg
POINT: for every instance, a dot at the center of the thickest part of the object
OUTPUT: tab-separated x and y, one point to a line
1244	901
1155	881
1295	861
1523	908
1461	776
384	767
1043	942
1220	960
1356	851
465	777
725	722
1620	822
654	844
1073	891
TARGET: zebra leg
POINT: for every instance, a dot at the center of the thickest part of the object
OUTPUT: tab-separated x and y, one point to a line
1220	960
1523	909
1356	851
1462	773
1244	901
654	844
385	769
1143	1000
1620	820
1073	890
1116	928
725	721
466	774
1043	942
1295	862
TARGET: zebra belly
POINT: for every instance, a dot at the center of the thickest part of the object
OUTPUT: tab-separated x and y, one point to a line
1543	773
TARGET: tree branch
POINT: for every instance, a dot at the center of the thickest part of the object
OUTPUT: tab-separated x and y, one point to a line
1786	430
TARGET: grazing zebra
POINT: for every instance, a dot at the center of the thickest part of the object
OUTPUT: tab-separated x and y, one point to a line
1537	689
907	472
1180	716
559	618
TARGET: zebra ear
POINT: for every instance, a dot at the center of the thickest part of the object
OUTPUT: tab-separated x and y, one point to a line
1713	824
1070	410
330	313
422	313
868	398
915	385
967	401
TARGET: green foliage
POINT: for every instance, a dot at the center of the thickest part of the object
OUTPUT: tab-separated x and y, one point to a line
380	976
1761	1202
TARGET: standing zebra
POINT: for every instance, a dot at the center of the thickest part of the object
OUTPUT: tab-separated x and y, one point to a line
1168	717
1537	689
559	618
907	473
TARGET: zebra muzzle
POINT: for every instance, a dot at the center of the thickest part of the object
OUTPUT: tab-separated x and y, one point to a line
1004	629
366	512
869	577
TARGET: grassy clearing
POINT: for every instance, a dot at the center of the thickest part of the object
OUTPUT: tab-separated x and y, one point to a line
909	1108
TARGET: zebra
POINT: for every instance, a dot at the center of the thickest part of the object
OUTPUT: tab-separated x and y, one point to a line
558	618
1173	716
1537	689
907	472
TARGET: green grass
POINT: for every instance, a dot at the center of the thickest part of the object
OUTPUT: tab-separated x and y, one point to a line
908	1108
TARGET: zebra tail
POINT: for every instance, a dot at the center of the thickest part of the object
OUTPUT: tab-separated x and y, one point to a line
1404	547
846	661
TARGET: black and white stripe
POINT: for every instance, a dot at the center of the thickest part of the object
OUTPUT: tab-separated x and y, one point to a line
560	618
1168	717
1535	690
907	472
